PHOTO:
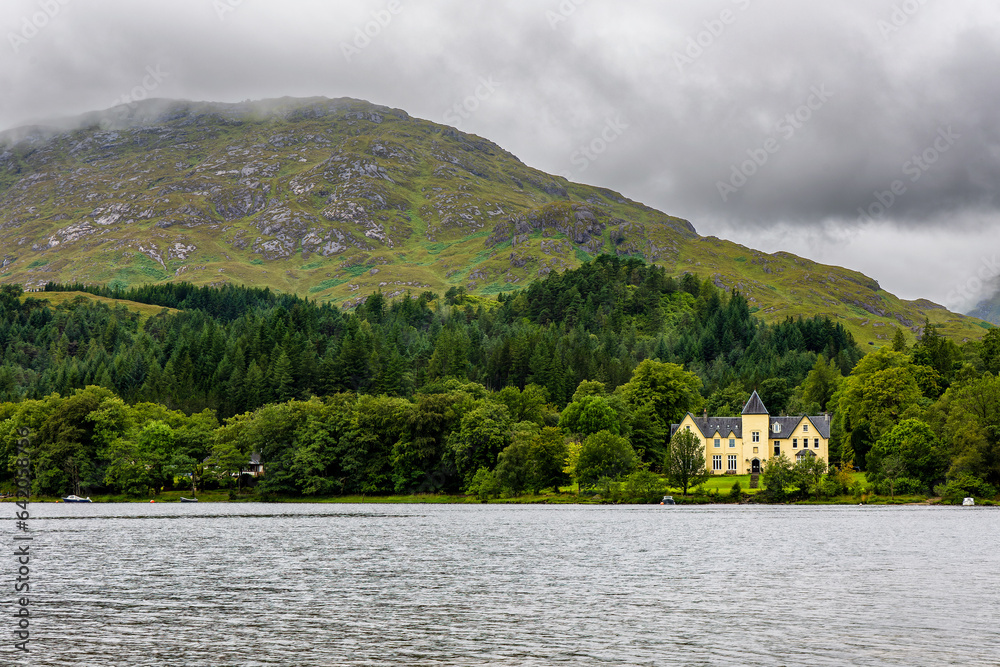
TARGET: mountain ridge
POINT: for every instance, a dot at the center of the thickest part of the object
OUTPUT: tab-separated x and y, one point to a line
989	308
337	198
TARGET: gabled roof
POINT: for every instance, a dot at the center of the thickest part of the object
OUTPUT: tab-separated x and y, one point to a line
755	406
788	424
822	424
785	426
709	427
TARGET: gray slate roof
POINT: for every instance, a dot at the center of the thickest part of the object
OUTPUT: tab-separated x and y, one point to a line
726	425
709	426
755	406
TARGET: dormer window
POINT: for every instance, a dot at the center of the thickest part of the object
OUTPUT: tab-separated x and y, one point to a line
776	427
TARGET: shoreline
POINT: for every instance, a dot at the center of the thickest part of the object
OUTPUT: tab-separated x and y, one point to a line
553	500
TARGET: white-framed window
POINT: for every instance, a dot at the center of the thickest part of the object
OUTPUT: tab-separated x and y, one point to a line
777	447
805	428
732	462
776	427
816	443
755	436
717	462
732	442
688	427
718	442
795	443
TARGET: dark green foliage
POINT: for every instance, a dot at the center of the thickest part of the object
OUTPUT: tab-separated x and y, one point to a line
939	354
729	401
641	349
910	449
776	478
589	415
483	433
990	351
971	427
965	486
604	456
685	461
533	461
234	349
642	487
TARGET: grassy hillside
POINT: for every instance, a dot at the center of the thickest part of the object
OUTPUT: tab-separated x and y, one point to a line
334	199
145	311
782	285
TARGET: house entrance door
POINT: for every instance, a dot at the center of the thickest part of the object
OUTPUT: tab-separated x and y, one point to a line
755	467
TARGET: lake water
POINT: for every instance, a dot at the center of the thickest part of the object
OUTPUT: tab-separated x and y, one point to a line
255	584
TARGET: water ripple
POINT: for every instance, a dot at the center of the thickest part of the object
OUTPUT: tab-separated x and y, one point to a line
258	585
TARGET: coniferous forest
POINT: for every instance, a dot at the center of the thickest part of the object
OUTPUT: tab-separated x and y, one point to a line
578	376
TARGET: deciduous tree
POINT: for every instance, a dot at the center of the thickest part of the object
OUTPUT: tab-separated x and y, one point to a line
685	461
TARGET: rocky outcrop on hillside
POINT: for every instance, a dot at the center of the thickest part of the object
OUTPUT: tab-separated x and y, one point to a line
288	179
338	198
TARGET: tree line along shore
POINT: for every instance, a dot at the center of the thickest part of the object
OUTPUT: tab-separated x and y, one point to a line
563	390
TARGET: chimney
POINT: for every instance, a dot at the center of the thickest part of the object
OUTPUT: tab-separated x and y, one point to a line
706	414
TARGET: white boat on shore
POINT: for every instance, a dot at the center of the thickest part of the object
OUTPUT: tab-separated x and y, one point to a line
76	499
968	502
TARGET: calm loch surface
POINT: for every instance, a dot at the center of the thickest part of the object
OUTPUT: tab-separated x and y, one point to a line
232	584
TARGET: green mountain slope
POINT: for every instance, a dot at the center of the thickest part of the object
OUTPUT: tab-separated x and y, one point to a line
335	199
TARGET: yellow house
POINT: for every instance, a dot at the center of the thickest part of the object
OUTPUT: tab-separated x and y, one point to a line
741	445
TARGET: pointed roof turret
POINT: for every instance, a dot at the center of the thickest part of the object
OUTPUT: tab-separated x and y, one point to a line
755	406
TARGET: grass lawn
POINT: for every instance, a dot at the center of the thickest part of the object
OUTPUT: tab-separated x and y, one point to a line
725	482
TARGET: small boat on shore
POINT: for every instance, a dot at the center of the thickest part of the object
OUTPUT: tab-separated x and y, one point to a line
76	499
188	500
667	500
969	502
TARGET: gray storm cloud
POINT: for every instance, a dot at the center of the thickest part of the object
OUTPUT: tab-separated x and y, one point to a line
755	119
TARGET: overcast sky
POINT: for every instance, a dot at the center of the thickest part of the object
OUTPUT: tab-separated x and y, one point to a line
864	133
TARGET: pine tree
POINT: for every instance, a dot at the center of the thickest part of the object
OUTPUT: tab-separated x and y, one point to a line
899	341
254	391
281	380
